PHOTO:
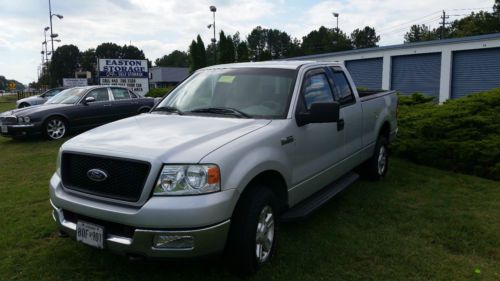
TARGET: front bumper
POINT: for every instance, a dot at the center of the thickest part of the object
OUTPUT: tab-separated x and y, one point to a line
20	130
207	240
131	231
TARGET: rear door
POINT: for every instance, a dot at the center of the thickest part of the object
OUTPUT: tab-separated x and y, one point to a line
123	104
351	116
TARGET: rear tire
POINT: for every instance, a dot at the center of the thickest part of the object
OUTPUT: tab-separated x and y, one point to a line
376	167
55	128
254	231
22	105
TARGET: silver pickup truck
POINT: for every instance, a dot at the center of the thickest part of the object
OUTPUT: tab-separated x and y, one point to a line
218	163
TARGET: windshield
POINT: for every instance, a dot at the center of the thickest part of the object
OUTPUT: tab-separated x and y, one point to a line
68	96
249	92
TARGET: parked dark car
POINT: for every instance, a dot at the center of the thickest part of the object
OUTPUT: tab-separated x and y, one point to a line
74	109
39	99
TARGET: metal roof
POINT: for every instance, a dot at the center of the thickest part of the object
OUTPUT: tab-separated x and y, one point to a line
404	46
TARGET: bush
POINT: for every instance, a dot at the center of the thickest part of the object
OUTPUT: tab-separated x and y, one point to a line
413	99
159	92
461	135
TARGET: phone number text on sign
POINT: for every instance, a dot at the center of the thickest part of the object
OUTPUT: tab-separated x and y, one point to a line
137	85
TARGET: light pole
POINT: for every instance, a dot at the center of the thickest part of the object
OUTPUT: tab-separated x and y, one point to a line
45	43
213	9
336	15
53	35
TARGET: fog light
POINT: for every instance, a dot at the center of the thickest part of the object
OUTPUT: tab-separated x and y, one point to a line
173	242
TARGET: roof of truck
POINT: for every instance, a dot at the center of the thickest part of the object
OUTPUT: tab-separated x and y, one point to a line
291	64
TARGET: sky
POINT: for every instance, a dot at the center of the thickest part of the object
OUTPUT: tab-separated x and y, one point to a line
160	26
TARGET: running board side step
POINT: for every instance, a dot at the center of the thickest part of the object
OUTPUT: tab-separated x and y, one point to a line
318	199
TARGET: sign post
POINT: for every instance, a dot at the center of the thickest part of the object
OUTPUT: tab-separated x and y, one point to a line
129	73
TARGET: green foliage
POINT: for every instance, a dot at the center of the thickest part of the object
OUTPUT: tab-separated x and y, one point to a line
114	51
419	33
226	49
461	135
158	92
64	63
175	59
197	54
325	40
413	99
266	44
364	38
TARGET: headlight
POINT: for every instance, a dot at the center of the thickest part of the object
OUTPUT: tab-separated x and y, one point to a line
188	180
23	120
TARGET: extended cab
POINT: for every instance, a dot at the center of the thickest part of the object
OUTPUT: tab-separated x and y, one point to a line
220	161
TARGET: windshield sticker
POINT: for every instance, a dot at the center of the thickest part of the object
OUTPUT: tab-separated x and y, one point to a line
226	79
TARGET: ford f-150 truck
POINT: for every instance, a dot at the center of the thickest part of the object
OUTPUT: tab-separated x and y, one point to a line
219	162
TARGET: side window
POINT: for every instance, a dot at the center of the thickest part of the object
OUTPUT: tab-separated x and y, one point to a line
317	90
132	95
120	94
100	94
342	87
52	93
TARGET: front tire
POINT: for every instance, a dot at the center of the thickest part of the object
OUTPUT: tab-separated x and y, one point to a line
55	128
254	231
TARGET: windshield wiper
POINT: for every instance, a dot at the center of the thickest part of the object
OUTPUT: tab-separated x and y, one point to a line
169	109
223	111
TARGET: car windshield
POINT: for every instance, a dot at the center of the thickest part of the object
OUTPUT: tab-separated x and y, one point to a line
237	92
68	96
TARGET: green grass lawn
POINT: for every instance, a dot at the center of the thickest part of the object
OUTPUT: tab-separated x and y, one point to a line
7	102
418	224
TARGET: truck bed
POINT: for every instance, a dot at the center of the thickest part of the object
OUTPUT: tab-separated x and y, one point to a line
371	94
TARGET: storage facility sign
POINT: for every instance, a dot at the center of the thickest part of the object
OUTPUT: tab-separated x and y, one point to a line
74	82
129	73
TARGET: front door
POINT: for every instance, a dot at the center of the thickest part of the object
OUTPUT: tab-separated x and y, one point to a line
318	147
94	113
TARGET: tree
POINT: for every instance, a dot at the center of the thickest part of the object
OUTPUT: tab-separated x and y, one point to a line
131	52
108	51
88	61
266	44
364	38
65	61
419	33
496	8
226	48
174	59
197	54
242	54
325	40
478	23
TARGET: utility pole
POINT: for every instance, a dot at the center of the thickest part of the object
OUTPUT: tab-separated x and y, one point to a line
443	24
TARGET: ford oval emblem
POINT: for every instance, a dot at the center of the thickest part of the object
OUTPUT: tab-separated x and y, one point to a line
97	175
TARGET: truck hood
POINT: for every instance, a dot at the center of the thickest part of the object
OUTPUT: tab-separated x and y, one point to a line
165	138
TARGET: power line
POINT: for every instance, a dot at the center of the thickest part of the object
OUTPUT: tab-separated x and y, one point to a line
405	28
406	23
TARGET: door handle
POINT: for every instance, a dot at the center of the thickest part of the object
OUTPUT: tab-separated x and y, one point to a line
340	125
106	105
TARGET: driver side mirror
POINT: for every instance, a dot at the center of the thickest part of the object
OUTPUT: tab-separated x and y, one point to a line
319	113
88	100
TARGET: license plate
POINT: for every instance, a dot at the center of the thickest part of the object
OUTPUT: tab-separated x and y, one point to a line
90	234
3	129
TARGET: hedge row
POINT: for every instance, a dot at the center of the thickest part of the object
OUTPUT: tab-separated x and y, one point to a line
158	92
462	135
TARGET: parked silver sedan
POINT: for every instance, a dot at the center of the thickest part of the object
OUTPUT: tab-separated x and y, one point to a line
39	99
